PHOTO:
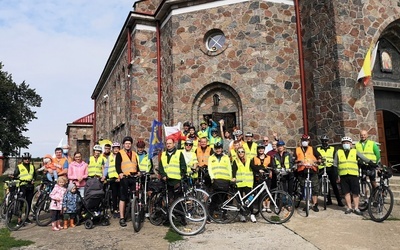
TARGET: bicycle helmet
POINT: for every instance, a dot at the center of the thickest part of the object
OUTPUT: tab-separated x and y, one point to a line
186	124
305	137
214	130
26	155
127	138
249	134
345	138
188	142
280	143
97	148
140	144
203	122
237	132
260	145
116	144
218	145
324	138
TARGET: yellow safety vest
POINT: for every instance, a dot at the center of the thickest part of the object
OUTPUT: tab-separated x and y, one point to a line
233	155
95	166
220	169
368	150
286	161
202	134
128	165
347	166
192	161
144	164
172	169
24	174
112	172
244	174
214	140
250	152
328	155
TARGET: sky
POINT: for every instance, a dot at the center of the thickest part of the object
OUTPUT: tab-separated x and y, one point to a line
59	48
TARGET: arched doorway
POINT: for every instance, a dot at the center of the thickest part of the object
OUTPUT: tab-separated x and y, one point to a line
389	136
218	101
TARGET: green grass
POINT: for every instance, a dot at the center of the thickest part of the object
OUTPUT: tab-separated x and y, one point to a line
8	242
172	236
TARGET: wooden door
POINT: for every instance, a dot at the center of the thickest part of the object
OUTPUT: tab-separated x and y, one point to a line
84	147
229	118
381	136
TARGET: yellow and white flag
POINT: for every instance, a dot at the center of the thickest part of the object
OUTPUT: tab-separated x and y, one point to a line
366	71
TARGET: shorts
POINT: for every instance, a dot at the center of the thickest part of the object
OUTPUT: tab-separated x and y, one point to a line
126	184
350	184
314	181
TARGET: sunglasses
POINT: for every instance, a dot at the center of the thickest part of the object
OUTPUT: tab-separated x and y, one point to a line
240	152
188	144
265	140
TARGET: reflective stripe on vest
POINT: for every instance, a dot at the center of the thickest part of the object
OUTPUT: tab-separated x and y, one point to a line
368	150
250	152
112	172
172	169
95	166
220	169
244	174
128	166
347	166
328	155
144	164
202	157
286	161
306	157
24	174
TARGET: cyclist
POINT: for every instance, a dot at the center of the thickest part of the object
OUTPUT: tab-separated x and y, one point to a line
190	157
214	137
96	163
25	172
346	160
249	146
127	167
203	153
306	154
242	173
205	130
283	160
371	150
328	152
113	178
145	164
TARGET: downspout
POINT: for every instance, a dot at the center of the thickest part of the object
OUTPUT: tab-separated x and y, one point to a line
94	122
159	106
301	65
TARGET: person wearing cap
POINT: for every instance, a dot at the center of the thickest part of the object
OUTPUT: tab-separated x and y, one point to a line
346	159
25	172
307	156
214	137
249	146
61	162
243	174
190	158
238	135
205	130
127	168
328	152
110	172
371	150
203	153
96	163
70	204
282	161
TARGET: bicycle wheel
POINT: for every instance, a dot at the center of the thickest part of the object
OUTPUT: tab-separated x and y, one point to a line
157	209
135	213
296	194
17	213
281	204
188	216
3	208
325	190
201	195
307	199
365	191
42	215
223	207
380	204
35	199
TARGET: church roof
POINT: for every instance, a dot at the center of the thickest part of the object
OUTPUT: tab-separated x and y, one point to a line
88	119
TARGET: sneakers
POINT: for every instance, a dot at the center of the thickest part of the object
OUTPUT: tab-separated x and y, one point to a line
115	214
28	221
253	218
147	215
266	209
242	218
122	222
340	204
358	212
348	211
315	208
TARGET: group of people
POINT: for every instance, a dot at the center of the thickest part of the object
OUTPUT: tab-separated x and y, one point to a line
217	157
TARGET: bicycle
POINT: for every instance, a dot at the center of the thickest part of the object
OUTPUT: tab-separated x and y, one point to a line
378	201
17	209
224	207
137	203
307	189
6	200
365	188
38	195
42	211
196	190
324	182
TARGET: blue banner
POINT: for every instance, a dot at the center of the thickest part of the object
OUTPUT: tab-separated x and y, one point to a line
155	141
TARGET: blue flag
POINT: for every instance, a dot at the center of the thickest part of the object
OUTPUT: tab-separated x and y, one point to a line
156	144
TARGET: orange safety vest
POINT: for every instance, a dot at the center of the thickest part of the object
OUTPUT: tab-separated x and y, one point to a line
128	166
265	163
307	156
202	157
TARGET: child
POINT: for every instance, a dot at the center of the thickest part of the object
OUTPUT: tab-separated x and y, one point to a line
56	202
50	168
70	205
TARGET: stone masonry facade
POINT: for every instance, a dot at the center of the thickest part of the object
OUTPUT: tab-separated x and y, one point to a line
255	73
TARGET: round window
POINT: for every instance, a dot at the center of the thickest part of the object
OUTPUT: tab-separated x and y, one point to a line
215	40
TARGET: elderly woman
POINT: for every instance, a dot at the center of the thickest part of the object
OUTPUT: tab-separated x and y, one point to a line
78	172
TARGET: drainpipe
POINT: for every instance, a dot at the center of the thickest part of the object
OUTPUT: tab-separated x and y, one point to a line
159	106
94	122
301	65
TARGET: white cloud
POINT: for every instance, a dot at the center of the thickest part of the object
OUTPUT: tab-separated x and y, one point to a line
60	49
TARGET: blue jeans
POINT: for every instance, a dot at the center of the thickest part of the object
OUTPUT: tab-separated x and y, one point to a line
51	175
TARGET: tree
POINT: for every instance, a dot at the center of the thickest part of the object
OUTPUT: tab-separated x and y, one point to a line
16	103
